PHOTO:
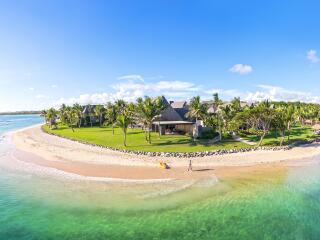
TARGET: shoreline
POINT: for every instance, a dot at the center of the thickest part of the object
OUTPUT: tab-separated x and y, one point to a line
47	150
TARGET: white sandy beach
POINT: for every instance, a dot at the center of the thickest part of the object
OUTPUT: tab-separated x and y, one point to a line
70	156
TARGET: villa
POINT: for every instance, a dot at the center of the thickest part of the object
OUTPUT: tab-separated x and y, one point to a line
173	120
88	117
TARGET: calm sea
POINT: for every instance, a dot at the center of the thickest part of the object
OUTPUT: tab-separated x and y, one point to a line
13	122
39	203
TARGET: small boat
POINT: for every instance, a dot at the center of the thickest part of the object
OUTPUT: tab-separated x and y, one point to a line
163	165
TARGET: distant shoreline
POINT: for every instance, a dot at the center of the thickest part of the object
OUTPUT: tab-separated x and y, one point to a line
21	113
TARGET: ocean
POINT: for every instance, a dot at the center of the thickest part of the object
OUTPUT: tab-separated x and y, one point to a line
39	203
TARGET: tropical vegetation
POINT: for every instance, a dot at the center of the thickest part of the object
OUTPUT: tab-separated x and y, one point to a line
261	123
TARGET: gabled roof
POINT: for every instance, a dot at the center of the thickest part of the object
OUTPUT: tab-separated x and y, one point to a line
88	109
169	113
165	101
180	104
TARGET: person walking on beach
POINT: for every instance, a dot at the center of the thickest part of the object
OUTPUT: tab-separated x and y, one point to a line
190	166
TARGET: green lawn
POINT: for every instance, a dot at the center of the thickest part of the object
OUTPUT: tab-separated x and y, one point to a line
136	140
298	133
171	143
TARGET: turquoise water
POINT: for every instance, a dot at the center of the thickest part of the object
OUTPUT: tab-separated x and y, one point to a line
13	122
37	203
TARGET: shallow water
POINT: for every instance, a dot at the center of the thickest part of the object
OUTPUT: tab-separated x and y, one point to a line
37	203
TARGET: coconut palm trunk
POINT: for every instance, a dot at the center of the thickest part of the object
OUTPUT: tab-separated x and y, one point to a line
125	138
220	134
100	120
283	134
289	131
149	134
261	138
146	133
79	123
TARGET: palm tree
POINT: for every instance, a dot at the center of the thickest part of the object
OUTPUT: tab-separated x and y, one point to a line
217	102
227	115
290	117
148	110
51	116
280	122
111	115
236	106
44	115
99	111
197	110
123	121
78	110
72	117
62	113
120	105
264	113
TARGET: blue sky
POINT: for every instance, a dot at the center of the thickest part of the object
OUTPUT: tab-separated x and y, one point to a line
95	51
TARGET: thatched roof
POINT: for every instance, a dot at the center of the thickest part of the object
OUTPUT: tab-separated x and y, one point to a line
181	104
88	109
172	114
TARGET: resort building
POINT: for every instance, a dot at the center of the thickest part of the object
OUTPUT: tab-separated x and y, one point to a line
88	117
173	120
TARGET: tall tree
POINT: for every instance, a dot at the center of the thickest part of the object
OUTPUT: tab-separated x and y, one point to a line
123	121
290	118
197	110
264	113
62	113
99	111
79	111
280	122
121	106
111	115
217	102
148	110
72	117
51	116
235	106
44	115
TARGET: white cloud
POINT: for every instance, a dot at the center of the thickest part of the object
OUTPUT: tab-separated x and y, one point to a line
131	90
241	69
275	93
31	88
132	77
312	56
266	92
54	86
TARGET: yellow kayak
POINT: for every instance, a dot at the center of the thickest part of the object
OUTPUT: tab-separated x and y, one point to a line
163	165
